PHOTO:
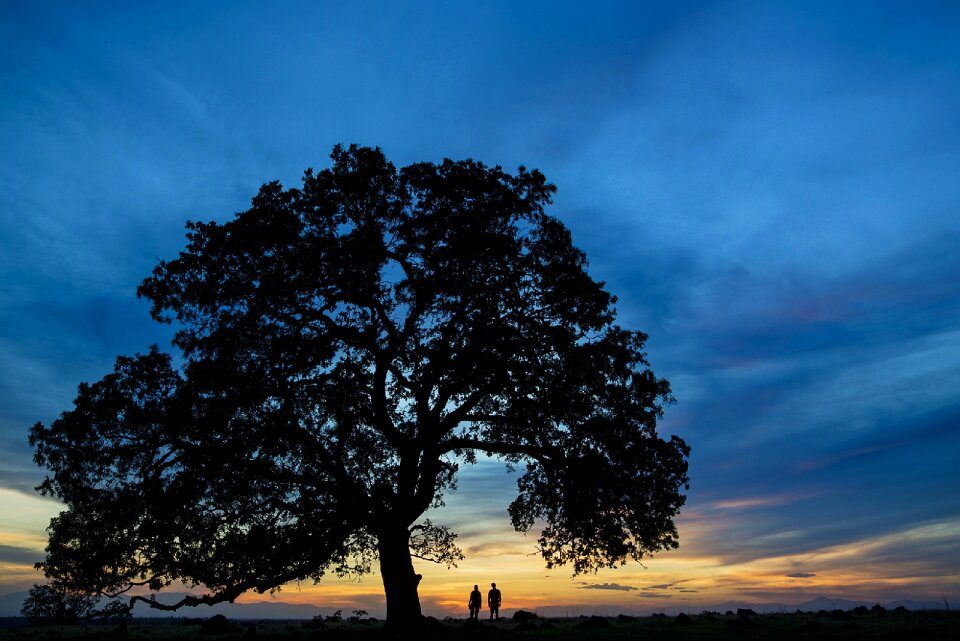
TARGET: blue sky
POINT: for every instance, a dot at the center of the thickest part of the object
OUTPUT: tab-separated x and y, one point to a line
770	188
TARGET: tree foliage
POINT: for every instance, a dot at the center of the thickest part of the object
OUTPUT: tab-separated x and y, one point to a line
49	603
58	604
346	345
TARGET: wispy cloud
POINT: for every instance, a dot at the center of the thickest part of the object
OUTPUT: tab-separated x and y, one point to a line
758	501
608	586
19	555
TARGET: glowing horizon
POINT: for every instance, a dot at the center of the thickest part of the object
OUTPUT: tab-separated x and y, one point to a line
689	577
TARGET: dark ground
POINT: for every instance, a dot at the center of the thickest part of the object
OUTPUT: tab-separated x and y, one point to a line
928	625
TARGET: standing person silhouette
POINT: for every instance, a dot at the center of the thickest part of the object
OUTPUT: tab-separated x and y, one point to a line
493	600
476	600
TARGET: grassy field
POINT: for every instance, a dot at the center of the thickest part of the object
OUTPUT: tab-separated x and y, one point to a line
892	626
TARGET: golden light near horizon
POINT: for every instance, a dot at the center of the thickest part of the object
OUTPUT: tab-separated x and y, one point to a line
674	581
24	518
688	578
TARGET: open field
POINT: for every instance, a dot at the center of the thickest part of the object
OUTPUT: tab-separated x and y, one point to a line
823	626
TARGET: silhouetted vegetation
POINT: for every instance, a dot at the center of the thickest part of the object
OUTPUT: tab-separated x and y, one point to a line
346	345
926	625
57	604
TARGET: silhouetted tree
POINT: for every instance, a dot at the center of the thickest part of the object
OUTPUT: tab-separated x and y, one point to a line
56	603
49	603
346	345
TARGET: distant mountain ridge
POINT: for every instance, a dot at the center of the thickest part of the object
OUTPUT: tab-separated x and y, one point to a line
10	607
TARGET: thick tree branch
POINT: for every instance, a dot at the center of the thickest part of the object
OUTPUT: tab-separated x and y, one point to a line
461	413
495	447
381	412
229	593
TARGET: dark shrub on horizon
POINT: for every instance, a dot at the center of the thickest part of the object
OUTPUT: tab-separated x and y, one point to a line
217	624
594	623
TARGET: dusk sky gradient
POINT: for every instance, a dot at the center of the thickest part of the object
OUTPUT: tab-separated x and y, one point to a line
772	190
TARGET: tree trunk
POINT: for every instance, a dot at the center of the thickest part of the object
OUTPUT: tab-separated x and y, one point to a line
399	579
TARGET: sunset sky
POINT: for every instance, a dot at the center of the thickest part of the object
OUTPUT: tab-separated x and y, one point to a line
772	190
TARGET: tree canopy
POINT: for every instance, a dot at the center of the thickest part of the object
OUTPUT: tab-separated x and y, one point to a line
344	347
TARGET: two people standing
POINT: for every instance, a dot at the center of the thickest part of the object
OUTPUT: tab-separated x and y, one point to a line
493	602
